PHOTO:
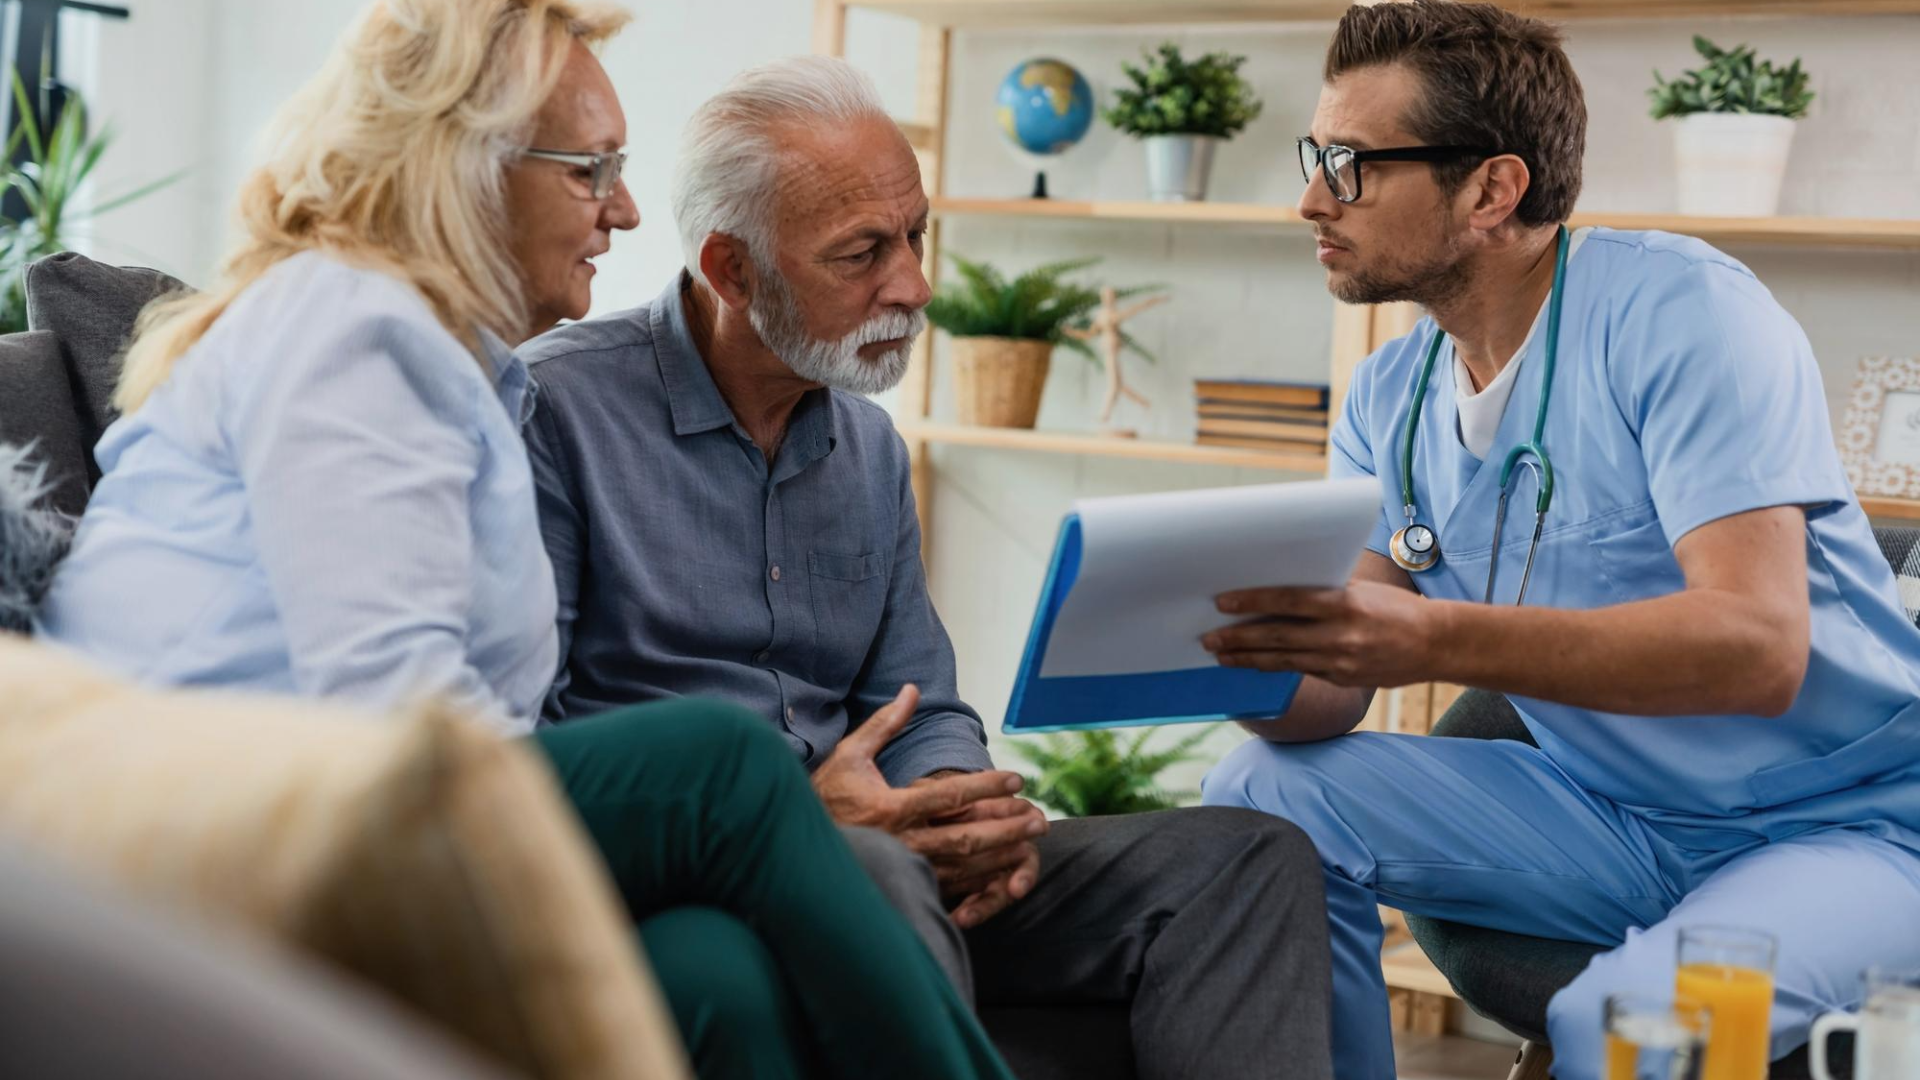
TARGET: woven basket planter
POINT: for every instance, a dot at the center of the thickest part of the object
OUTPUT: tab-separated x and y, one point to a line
998	380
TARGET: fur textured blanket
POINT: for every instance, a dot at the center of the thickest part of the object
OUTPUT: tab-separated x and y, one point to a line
32	540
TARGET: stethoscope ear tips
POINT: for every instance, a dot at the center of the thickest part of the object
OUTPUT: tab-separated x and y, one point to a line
1415	549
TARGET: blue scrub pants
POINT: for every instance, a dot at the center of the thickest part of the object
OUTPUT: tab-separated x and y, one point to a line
1494	834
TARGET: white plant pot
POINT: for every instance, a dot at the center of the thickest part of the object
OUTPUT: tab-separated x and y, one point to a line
1731	164
1178	166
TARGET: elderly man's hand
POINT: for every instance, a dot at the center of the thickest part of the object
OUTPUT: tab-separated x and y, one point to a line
985	882
1367	634
977	835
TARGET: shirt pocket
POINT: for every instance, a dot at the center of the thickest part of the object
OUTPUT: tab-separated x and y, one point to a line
1885	751
849	600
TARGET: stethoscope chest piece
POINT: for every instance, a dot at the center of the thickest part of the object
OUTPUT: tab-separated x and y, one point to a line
1415	548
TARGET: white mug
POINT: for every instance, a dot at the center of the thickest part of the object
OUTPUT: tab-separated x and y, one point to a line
1887	1030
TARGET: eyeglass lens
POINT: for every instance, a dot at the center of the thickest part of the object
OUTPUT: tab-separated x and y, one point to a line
1343	175
606	174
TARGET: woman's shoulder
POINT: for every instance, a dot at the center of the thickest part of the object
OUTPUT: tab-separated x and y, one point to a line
324	294
317	316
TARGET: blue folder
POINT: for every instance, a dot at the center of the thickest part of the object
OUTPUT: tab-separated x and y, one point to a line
1193	695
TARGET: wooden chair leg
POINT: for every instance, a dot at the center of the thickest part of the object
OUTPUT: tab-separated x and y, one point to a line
1532	1064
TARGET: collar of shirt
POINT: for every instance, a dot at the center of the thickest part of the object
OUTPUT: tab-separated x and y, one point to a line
510	379
694	399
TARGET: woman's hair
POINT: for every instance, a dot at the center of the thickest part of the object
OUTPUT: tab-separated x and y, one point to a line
394	157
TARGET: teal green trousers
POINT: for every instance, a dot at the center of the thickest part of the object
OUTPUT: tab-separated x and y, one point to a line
779	956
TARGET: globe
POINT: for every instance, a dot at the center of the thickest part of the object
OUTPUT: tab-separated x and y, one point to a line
1045	106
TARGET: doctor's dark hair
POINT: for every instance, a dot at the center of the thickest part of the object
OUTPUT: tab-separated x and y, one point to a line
1491	78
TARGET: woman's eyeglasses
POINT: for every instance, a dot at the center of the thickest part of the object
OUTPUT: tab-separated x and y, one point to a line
603	169
1341	164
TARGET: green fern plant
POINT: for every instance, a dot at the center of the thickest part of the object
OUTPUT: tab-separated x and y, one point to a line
1732	82
1172	95
1095	773
58	163
1039	305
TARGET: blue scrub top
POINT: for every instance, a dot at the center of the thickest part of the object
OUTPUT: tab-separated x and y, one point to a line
1684	394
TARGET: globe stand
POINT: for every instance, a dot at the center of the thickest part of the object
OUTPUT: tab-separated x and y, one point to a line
1039	185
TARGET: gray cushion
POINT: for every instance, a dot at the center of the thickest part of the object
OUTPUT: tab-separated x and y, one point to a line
93	986
37	408
91	307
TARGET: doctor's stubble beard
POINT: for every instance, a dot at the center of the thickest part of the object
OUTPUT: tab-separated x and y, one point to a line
1429	281
776	316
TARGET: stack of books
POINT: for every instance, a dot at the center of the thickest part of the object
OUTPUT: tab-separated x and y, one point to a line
1253	414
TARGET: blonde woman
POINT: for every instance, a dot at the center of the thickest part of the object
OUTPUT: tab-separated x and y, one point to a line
318	487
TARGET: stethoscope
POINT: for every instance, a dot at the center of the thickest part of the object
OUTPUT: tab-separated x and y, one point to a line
1415	547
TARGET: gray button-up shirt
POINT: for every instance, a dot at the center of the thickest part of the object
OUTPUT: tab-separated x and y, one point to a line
686	565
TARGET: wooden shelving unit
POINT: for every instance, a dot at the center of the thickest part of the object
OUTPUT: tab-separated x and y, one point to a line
1889	509
972	14
1056	442
1889	234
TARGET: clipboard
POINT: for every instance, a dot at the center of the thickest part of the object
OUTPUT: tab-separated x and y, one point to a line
1070	702
1128	650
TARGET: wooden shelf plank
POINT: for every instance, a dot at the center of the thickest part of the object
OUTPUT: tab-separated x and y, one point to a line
1103	446
1202	213
1879	506
1891	233
1407	968
1034	13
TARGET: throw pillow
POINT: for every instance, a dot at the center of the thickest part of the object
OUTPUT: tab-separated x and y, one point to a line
37	409
91	307
415	851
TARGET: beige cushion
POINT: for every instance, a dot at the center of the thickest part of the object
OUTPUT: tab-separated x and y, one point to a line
417	852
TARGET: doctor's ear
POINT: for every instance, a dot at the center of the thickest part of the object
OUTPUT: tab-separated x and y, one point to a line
1497	188
728	268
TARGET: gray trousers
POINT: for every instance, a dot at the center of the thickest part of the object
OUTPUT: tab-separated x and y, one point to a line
1207	924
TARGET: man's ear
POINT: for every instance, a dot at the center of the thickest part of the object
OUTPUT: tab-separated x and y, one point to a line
1497	188
728	268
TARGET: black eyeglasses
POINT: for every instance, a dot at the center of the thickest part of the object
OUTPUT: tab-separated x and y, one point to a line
1341	164
603	170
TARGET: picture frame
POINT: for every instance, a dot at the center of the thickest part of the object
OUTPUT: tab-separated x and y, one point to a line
1880	434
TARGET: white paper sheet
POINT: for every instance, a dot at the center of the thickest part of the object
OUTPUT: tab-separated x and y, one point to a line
1151	566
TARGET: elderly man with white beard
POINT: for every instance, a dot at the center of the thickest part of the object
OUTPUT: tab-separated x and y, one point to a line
728	517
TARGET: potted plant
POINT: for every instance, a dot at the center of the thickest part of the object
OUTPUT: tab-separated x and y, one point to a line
1004	333
58	163
1734	129
1090	773
1182	111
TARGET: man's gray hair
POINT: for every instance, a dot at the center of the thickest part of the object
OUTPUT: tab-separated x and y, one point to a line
730	156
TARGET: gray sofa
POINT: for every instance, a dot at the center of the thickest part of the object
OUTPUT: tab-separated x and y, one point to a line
93	987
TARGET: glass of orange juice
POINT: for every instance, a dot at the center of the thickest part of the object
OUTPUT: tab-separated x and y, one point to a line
1651	1038
1729	970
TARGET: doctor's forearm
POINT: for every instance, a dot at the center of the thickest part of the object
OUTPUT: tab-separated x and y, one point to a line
1697	652
1320	710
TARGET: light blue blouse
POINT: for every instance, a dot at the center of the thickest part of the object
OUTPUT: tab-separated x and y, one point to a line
329	497
1684	394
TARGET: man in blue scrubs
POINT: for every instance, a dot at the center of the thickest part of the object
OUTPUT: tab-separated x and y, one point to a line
1711	655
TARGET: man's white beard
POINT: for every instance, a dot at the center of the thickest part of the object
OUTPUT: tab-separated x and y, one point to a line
776	317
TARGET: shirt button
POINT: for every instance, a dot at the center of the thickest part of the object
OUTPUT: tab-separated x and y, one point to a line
775	573
762	657
789	714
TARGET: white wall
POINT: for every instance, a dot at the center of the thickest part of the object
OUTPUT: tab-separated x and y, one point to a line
189	82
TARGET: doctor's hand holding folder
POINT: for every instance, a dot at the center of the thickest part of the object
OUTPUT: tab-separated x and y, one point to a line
1116	637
